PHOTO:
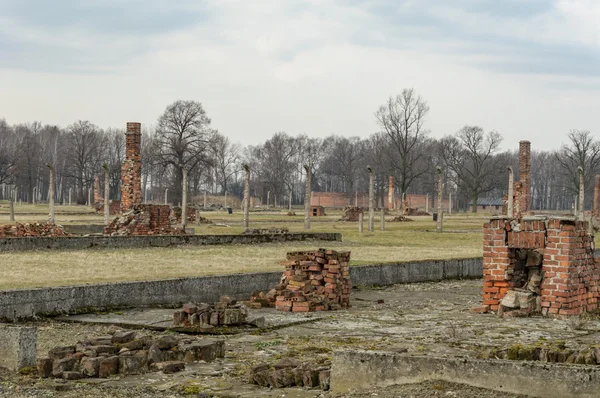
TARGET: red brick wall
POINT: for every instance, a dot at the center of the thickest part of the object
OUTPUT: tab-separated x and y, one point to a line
340	200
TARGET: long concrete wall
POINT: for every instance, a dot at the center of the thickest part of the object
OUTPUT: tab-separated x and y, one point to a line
15	304
355	369
83	242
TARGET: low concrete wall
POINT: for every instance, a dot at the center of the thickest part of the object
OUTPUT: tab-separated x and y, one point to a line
15	304
83	242
416	271
355	370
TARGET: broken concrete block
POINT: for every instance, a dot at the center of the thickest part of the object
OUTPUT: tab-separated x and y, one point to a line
166	342
155	354
18	346
90	366
526	300
123	337
510	300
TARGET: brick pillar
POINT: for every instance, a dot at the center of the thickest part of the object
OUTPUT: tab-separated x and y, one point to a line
391	198
525	177
597	197
97	192
498	264
131	170
570	284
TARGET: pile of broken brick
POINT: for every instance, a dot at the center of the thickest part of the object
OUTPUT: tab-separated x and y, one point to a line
316	280
31	230
142	220
226	312
352	213
123	353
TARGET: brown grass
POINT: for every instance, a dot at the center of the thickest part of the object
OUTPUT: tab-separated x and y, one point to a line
400	242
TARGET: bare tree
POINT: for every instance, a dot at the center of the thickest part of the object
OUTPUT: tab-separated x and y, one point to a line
469	155
83	155
583	150
273	162
7	152
182	139
401	118
225	157
345	161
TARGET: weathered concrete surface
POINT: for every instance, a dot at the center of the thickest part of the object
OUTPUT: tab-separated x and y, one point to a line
416	271
163	318
84	242
15	304
17	346
357	369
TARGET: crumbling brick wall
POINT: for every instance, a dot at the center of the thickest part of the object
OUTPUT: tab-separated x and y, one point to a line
131	170
570	274
142	220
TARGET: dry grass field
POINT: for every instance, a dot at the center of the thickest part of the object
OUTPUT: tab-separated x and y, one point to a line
404	241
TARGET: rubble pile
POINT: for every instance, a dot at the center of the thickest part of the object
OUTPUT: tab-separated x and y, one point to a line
143	220
205	316
265	231
123	353
411	211
401	219
351	213
31	230
312	281
175	215
289	372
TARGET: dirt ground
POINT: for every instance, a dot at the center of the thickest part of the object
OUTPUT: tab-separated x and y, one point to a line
420	319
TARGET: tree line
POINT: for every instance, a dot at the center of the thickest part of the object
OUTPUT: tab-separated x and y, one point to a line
473	163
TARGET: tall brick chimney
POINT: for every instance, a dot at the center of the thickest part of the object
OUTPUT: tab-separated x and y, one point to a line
131	170
524	198
596	212
391	198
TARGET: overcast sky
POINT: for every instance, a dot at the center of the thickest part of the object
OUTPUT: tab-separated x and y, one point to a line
529	69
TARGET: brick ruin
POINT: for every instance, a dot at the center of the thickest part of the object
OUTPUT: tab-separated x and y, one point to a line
226	312
125	353
137	218
538	264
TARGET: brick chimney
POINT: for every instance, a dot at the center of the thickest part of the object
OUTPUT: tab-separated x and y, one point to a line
131	170
97	194
391	198
524	198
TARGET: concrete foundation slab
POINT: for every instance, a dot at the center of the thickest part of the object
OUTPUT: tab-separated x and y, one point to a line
356	369
162	318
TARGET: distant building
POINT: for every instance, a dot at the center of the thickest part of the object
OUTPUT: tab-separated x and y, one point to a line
488	205
361	199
